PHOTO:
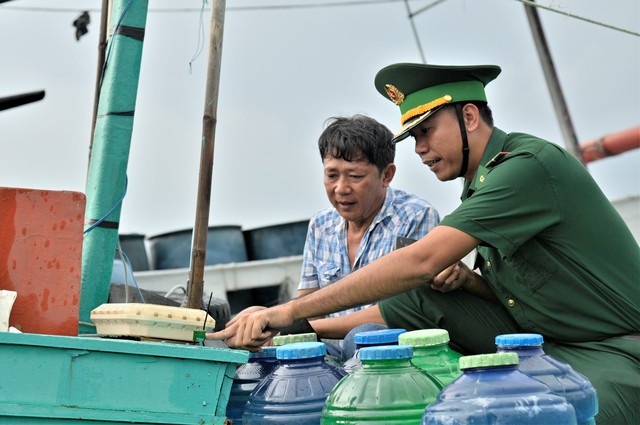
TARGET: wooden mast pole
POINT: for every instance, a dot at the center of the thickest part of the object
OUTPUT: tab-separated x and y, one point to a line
553	83
209	120
102	47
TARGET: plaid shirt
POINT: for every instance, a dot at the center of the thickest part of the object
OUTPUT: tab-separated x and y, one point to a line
325	252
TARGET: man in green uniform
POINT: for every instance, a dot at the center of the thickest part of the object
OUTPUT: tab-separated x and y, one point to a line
553	255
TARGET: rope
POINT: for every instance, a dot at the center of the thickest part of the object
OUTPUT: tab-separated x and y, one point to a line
228	9
112	40
571	15
415	31
200	44
97	223
127	266
427	7
316	5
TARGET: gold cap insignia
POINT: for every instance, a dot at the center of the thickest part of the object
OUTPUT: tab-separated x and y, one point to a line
394	94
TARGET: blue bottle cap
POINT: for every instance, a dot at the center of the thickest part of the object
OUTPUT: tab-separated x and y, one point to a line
519	340
267	352
301	350
386	352
383	336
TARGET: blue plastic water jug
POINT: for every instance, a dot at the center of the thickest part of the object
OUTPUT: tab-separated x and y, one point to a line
371	339
246	379
492	391
387	389
559	376
295	391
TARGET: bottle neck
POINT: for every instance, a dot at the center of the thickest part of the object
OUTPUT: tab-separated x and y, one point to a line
522	351
484	369
438	348
387	363
262	360
302	362
358	346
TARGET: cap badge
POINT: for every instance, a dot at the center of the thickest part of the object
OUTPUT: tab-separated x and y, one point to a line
394	94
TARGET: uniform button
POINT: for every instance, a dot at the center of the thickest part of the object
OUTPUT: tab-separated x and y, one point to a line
511	302
489	264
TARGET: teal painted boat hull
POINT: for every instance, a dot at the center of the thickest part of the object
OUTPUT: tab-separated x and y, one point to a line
66	380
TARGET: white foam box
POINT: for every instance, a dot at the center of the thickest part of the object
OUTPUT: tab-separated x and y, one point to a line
150	321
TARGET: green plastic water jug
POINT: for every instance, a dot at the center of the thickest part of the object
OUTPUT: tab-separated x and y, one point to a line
387	389
431	352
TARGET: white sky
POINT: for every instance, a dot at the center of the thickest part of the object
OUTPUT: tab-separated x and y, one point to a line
284	72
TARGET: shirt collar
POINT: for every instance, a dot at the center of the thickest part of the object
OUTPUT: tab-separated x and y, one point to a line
386	210
494	147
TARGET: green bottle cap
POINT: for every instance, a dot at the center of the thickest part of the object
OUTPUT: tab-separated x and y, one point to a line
289	339
424	337
488	360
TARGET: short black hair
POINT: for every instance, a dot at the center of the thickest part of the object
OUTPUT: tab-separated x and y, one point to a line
357	138
485	111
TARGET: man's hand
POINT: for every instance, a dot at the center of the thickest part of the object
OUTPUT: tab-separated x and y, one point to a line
254	326
460	276
451	278
247	310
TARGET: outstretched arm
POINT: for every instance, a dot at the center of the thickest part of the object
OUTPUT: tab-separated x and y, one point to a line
394	273
339	327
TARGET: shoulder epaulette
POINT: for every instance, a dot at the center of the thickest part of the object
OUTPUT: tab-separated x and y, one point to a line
496	159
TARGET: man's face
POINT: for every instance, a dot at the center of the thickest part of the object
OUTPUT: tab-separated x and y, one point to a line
439	145
356	189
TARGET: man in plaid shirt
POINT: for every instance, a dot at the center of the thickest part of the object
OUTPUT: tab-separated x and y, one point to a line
365	219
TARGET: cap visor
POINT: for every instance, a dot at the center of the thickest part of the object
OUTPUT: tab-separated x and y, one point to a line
403	133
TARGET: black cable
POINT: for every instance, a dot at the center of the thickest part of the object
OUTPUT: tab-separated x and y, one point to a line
230	8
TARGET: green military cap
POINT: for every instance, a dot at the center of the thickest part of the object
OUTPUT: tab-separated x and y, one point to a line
420	90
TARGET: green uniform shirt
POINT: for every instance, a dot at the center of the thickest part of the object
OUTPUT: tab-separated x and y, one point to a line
555	251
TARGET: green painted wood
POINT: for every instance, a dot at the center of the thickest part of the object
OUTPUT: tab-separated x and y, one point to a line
106	180
14	420
47	377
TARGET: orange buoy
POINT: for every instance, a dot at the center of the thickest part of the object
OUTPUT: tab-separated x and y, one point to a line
611	144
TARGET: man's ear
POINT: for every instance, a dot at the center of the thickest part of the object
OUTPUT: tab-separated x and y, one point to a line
471	115
388	173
